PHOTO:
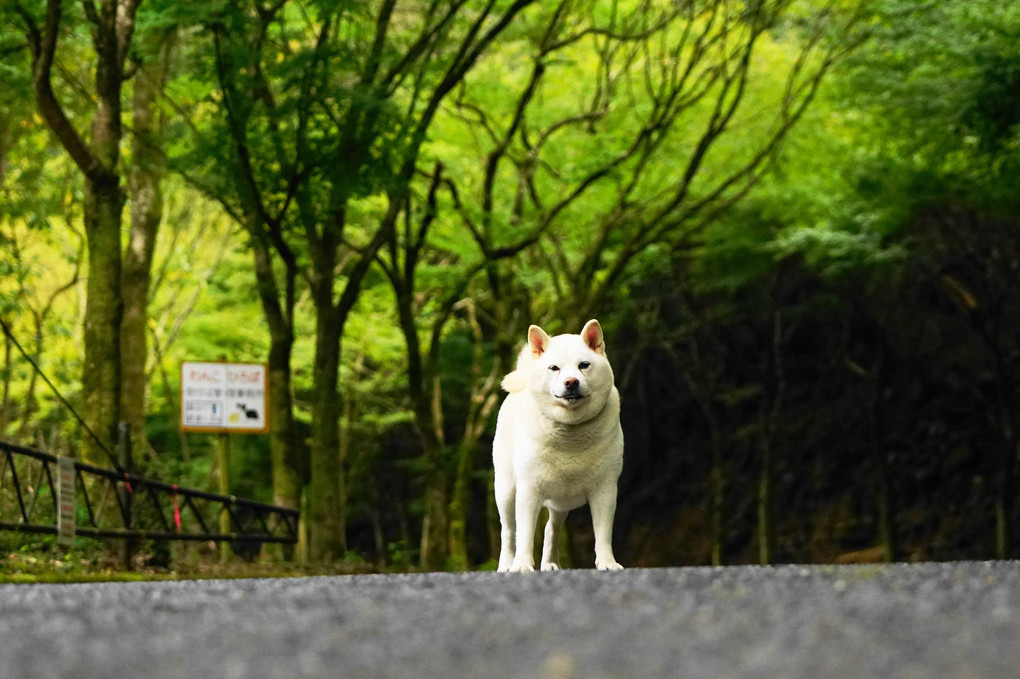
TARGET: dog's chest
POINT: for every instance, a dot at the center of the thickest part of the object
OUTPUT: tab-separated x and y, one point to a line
568	470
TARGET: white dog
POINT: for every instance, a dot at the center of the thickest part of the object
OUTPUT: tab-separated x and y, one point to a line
558	444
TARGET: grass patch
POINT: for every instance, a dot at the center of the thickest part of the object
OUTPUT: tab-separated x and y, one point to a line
36	560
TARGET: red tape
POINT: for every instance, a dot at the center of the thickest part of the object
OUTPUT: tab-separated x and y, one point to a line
127	483
177	510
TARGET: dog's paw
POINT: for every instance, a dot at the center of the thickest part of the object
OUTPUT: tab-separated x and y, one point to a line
522	568
506	560
550	566
608	566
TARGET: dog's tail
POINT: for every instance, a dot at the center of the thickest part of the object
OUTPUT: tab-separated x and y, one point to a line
518	379
514	381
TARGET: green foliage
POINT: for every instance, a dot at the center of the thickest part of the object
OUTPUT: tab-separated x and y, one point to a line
937	86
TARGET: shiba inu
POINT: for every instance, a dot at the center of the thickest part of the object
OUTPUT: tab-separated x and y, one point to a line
558	445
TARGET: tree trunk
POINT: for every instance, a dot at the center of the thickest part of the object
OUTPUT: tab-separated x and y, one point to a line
880	461
145	183
428	418
112	29
716	477
289	464
484	398
5	402
104	200
104	310
327	532
327	538
427	405
328	509
886	510
435	526
1005	488
717	506
766	500
459	504
773	391
436	522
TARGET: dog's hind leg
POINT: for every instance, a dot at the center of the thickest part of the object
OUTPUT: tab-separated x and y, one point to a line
550	543
508	525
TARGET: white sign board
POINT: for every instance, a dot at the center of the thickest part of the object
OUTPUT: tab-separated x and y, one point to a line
65	501
224	397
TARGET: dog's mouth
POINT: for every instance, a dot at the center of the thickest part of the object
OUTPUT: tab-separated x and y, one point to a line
571	396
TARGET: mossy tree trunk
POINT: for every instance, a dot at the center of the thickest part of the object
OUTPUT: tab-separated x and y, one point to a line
111	27
145	182
289	459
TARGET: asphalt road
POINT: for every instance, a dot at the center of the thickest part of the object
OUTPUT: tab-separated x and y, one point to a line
918	621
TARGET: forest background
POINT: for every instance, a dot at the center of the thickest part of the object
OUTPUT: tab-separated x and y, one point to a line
797	221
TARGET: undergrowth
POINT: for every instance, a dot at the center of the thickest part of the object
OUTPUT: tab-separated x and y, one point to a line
26	559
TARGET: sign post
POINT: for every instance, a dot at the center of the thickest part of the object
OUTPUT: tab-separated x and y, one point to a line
65	501
223	399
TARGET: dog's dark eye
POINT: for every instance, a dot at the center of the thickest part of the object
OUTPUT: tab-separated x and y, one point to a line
554	368
584	365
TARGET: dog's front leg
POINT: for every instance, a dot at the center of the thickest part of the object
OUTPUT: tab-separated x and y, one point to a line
550	544
526	514
603	509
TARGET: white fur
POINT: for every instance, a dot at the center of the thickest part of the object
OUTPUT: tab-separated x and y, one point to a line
557	447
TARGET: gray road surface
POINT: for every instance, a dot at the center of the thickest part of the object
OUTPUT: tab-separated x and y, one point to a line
920	621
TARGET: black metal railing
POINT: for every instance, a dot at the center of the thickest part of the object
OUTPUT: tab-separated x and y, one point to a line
117	504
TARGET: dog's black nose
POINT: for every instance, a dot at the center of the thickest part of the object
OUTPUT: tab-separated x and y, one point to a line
571	383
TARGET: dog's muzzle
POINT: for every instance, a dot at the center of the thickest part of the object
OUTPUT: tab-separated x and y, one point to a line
571	391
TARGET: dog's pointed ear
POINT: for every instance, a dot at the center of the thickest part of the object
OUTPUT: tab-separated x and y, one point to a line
592	336
538	339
